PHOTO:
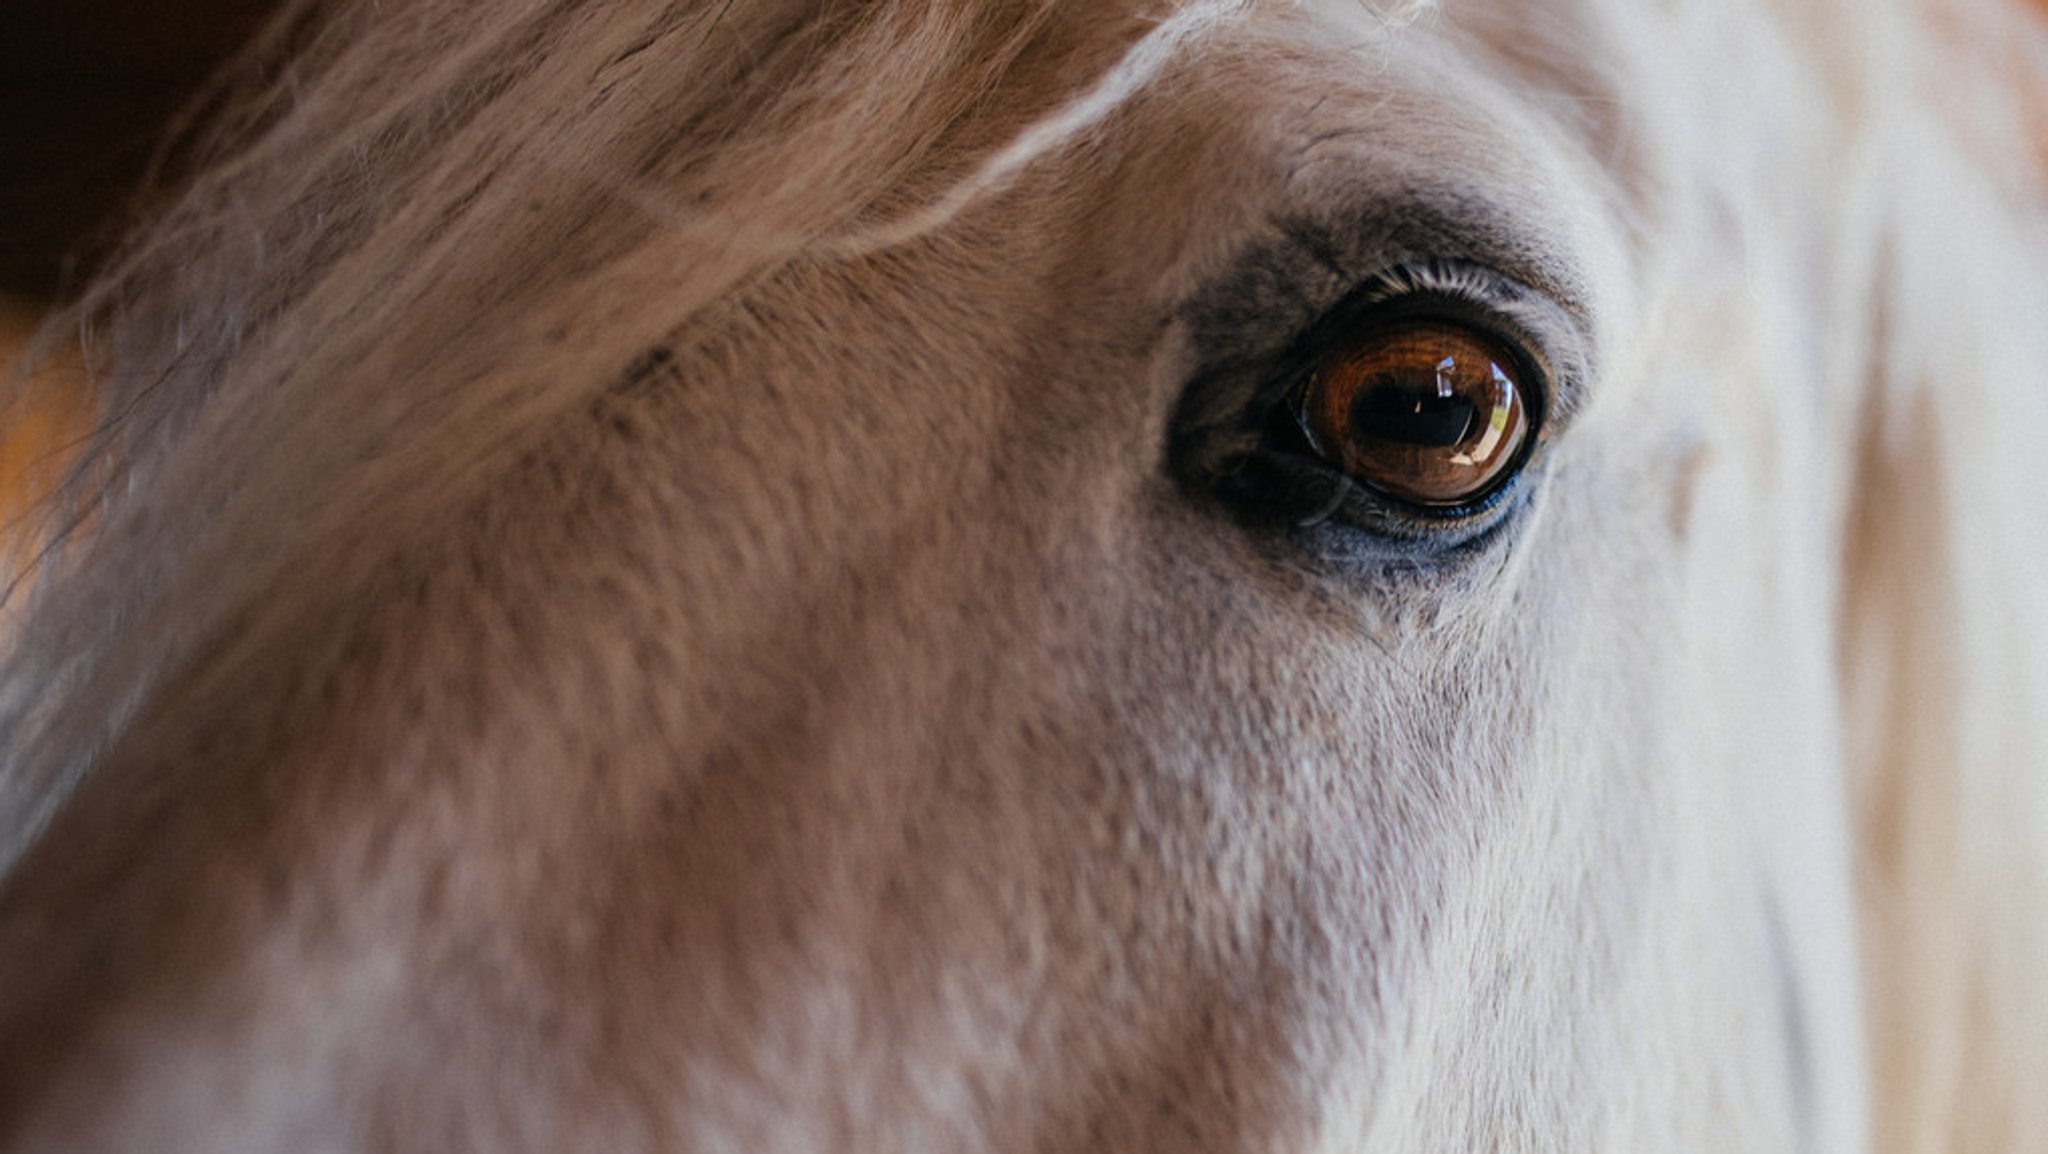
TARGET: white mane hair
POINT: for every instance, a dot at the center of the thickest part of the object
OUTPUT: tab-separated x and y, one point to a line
627	594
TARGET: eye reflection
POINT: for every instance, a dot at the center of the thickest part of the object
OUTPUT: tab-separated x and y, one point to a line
1429	411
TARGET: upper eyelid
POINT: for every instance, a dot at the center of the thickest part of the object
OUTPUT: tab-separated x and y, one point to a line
1537	326
1249	322
1534	325
1358	219
1311	258
1426	220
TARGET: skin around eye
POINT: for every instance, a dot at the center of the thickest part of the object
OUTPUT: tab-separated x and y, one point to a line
1427	411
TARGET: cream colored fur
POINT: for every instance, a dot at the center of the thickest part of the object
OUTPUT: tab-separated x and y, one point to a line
637	592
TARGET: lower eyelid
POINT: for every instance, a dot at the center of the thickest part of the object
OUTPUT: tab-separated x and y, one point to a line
1297	495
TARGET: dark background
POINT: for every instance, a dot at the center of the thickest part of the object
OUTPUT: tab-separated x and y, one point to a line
86	87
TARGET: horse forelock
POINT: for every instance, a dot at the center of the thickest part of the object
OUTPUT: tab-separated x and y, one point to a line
686	149
364	146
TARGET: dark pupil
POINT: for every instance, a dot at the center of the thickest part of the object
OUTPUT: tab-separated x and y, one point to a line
1411	414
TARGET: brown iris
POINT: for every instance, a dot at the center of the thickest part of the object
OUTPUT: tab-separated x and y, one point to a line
1429	411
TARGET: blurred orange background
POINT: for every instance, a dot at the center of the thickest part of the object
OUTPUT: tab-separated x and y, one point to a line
86	87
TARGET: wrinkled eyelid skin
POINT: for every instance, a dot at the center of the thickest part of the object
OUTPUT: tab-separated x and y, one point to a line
1418	159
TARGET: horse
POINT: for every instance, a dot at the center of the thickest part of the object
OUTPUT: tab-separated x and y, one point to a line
1006	575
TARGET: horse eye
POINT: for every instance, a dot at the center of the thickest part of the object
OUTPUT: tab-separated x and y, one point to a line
1427	411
